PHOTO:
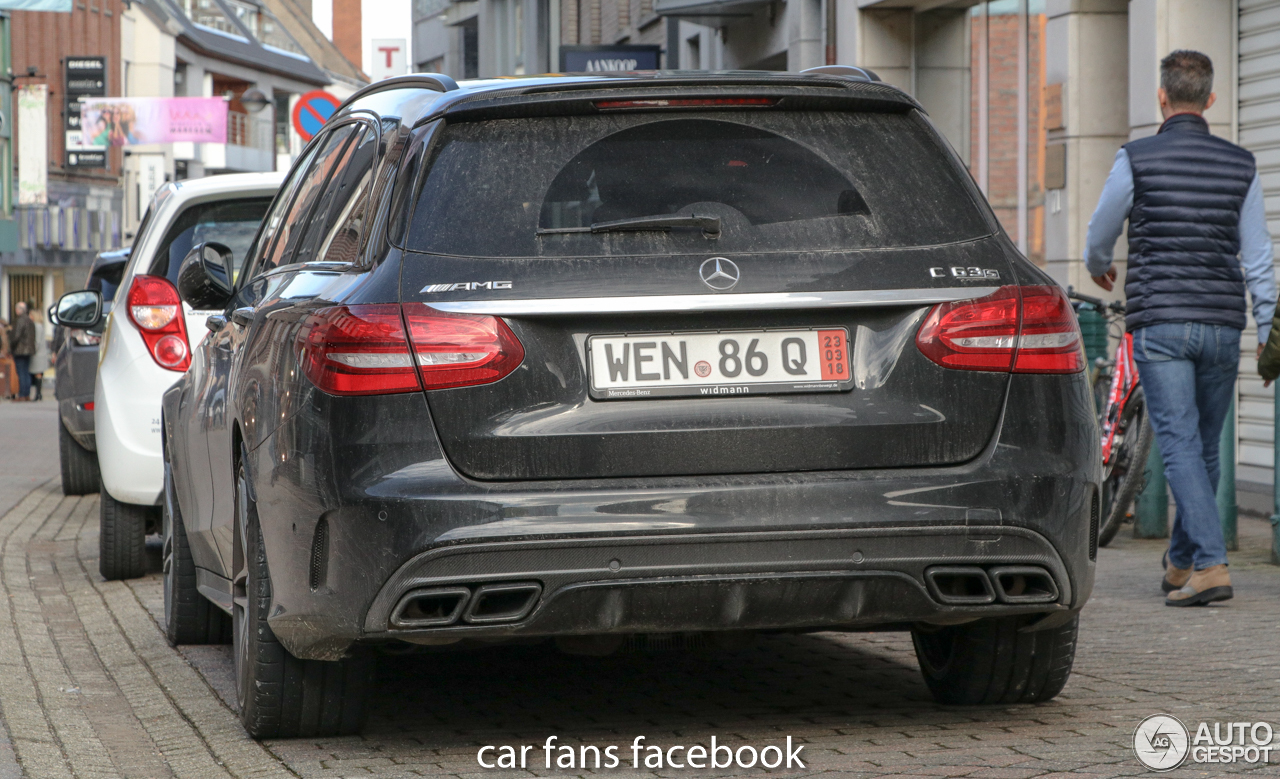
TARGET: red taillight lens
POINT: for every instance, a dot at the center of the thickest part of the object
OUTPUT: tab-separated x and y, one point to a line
460	350
357	350
1050	340
365	350
710	102
1023	329
156	310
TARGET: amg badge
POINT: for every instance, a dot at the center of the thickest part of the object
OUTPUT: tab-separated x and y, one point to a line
467	285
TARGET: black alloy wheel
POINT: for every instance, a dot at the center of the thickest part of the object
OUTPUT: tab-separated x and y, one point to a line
189	618
992	661
281	696
1126	473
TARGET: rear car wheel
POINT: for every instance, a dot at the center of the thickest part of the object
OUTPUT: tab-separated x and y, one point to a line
79	465
281	696
122	538
990	662
189	618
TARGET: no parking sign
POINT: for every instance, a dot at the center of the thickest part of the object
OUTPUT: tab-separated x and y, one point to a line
311	112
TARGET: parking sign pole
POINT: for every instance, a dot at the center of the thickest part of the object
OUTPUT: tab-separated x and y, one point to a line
1275	485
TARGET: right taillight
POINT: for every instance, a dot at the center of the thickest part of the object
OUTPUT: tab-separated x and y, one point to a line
383	349
1019	329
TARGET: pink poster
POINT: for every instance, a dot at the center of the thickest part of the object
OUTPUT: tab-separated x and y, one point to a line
125	121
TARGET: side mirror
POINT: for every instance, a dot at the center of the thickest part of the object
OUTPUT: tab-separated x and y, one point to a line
81	310
204	279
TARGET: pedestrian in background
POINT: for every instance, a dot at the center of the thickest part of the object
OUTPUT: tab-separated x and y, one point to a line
1197	238
22	342
8	371
39	359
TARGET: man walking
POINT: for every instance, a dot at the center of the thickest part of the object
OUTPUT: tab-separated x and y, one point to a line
1197	237
23	345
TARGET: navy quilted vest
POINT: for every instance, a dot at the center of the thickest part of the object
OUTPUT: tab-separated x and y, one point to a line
1184	229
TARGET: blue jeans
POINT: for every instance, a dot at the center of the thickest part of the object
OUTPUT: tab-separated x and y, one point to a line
1188	372
22	364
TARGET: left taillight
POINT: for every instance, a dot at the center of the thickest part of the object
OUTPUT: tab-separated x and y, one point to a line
155	308
381	349
1015	329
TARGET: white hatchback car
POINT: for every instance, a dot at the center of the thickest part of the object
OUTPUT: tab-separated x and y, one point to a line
146	346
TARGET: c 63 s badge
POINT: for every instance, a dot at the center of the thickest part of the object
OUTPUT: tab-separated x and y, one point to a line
964	274
467	286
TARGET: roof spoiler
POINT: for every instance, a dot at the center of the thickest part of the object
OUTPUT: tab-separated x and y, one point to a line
843	71
436	82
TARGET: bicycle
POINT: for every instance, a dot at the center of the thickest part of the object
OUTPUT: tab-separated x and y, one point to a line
1122	416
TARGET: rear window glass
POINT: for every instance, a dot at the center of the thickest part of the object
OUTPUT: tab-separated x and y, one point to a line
776	181
230	222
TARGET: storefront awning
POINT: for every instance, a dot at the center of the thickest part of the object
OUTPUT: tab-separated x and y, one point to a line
713	13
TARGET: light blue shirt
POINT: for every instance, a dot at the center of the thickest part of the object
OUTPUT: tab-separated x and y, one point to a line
1256	255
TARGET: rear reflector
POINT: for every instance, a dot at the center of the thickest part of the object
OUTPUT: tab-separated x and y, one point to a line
365	350
156	310
711	102
1018	329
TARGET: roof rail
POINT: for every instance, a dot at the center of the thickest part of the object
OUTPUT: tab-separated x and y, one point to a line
437	82
843	71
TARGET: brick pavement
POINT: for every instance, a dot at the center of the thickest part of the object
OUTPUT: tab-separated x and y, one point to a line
88	686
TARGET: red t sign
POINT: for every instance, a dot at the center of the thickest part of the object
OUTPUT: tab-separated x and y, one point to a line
388	50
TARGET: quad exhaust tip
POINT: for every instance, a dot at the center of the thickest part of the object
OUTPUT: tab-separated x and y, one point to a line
970	585
960	585
484	605
1023	584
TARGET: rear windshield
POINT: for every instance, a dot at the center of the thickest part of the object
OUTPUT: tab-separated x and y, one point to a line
776	181
230	222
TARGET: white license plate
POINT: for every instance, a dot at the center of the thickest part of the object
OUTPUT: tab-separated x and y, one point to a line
663	365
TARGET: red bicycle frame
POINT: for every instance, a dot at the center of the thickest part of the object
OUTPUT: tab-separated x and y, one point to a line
1123	381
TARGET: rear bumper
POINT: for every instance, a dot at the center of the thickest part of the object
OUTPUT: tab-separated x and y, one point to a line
788	551
715	581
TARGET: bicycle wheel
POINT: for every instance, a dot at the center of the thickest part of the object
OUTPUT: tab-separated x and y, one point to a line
1126	476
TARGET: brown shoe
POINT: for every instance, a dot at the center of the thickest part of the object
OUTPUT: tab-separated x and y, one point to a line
1174	578
1211	584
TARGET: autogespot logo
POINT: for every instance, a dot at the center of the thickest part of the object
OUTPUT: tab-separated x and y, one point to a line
1161	742
719	273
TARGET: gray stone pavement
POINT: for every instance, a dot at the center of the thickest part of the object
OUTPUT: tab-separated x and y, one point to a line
28	448
89	688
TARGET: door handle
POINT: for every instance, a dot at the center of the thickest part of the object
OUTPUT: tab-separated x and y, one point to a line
242	316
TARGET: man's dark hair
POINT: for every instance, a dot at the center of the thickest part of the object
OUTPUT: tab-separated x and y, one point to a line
1187	78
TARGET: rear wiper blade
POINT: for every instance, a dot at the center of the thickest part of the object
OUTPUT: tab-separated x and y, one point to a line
710	225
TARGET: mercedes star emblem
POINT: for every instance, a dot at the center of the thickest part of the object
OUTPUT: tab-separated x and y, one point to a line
719	273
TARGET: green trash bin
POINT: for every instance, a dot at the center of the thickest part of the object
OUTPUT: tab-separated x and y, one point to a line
1093	328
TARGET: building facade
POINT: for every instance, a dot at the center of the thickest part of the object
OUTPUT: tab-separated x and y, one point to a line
64	207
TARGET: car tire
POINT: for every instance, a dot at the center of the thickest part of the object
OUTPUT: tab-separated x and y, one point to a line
280	695
122	538
79	465
189	618
991	661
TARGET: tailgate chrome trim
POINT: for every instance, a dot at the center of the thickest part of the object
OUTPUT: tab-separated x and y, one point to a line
757	301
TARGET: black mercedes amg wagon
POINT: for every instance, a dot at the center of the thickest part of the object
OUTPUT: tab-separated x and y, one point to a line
593	358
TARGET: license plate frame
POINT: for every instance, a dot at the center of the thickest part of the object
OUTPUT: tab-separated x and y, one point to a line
717	386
